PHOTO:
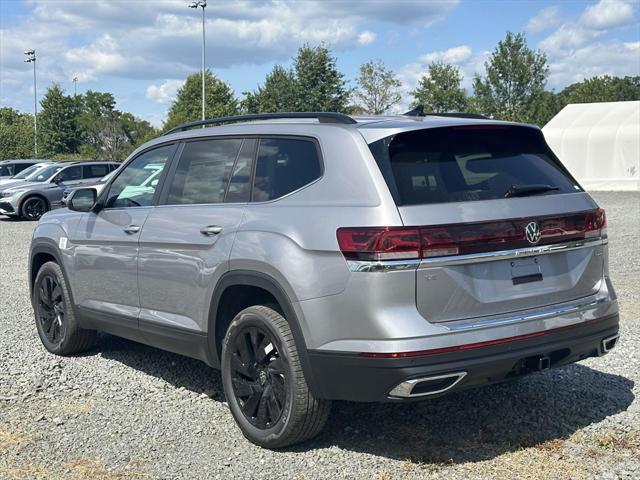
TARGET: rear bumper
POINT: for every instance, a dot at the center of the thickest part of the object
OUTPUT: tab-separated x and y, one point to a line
348	376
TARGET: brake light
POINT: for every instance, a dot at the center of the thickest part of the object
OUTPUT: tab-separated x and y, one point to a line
402	243
379	243
595	224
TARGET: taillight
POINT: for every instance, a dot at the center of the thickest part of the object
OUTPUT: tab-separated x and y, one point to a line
595	224
379	243
402	243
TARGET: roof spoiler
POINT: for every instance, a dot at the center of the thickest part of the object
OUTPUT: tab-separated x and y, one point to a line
419	112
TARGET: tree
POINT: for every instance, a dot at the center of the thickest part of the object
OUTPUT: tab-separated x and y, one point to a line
545	108
187	106
440	91
602	89
277	95
57	129
107	133
378	88
16	134
514	82
320	85
137	130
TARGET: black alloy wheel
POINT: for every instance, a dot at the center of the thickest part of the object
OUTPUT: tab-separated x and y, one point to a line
56	322
264	382
258	377
34	208
51	309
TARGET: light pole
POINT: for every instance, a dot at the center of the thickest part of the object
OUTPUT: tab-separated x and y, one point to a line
31	58
75	86
203	4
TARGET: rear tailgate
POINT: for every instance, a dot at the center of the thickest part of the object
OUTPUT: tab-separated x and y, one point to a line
494	280
453	184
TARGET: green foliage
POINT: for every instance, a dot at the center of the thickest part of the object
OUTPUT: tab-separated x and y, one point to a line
314	84
187	106
57	128
16	134
107	133
378	88
440	91
514	82
602	89
546	106
277	95
320	85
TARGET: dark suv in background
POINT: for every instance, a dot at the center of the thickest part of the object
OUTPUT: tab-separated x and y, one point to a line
9	168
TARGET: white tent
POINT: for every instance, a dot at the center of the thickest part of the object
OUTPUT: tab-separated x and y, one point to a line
599	143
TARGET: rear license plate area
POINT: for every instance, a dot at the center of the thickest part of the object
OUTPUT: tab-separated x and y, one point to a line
525	270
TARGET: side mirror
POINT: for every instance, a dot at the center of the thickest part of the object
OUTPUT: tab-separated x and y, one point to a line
56	179
82	199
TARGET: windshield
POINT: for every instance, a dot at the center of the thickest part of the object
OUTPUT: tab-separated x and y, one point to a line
27	171
467	163
45	174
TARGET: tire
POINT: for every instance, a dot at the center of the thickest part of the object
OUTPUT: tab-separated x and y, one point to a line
268	397
55	318
33	208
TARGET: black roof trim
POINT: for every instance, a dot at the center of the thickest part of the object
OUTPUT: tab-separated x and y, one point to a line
323	117
419	112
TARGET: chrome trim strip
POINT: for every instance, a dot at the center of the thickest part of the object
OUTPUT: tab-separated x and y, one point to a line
510	254
404	389
525	317
382	266
394	265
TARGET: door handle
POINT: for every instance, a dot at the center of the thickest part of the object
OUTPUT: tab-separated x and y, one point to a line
211	230
131	229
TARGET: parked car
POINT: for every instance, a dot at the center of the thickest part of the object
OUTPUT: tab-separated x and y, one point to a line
43	191
147	180
328	257
9	168
96	185
24	174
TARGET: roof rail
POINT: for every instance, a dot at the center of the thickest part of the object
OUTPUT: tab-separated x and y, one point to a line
323	117
419	112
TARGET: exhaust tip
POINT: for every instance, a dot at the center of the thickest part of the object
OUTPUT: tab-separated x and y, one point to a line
421	387
609	342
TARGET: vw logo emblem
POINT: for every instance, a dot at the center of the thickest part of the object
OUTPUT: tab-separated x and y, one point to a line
532	233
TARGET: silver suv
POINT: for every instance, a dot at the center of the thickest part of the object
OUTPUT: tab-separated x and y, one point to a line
316	257
42	191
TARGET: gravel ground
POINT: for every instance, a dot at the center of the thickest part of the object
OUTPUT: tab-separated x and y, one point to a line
124	410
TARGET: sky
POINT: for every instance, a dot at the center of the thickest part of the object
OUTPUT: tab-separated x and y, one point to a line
142	50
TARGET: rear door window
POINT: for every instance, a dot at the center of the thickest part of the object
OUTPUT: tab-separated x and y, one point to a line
18	167
284	165
95	171
69	174
467	163
203	171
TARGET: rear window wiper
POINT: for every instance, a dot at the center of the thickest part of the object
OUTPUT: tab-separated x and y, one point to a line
525	190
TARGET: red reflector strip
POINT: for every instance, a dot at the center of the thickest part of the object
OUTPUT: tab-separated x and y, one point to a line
471	346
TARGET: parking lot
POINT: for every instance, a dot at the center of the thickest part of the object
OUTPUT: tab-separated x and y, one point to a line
124	410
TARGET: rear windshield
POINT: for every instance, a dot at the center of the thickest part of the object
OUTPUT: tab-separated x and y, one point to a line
466	163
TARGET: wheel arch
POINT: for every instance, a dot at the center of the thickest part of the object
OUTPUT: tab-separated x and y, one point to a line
42	252
267	283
